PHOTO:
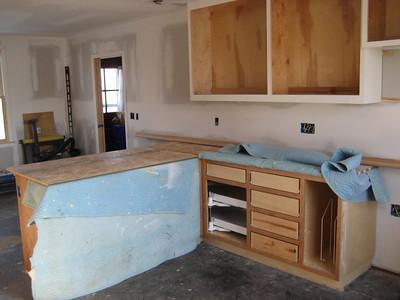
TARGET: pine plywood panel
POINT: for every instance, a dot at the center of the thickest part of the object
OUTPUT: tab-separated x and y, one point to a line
316	46
229	53
275	225
229	173
81	167
276	203
274	247
201	51
277	182
28	234
383	20
45	121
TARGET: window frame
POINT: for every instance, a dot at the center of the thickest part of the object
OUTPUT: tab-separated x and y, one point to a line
3	101
105	90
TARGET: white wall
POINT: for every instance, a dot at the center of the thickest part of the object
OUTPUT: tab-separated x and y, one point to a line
161	97
28	89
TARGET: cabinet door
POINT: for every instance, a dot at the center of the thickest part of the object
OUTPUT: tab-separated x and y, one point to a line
228	48
316	46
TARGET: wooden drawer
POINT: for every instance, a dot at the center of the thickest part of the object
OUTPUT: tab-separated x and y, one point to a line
275	225
274	247
281	204
277	182
229	173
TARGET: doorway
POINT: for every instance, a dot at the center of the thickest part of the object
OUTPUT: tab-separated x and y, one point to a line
110	103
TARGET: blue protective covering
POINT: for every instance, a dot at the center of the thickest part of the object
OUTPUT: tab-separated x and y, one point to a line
97	232
339	171
246	160
143	191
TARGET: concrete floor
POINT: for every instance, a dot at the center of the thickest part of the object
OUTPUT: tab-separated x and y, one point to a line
207	273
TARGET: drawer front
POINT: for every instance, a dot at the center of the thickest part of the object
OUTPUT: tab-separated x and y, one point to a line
229	173
275	225
281	204
277	182
274	247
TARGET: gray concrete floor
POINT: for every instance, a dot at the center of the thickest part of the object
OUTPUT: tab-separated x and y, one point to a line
206	273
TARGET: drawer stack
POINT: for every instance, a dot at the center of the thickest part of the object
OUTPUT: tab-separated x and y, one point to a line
275	215
273	209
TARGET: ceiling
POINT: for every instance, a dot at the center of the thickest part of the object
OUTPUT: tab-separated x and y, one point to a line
66	17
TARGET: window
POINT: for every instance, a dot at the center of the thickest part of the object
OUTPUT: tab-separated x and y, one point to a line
3	117
110	89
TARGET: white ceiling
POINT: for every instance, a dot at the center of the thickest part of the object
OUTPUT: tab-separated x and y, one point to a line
66	17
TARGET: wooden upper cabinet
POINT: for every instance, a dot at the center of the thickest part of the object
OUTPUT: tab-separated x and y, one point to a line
383	20
229	48
294	51
316	46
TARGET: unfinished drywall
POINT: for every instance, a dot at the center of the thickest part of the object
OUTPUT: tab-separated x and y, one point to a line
46	71
372	129
28	89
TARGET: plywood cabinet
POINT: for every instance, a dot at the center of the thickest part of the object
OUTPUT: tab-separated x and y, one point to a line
316	46
309	231
305	51
384	21
229	50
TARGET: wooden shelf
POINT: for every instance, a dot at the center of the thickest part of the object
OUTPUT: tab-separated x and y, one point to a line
383	20
316	47
320	228
228	48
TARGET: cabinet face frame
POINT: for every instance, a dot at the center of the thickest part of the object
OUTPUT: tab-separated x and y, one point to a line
246	243
370	81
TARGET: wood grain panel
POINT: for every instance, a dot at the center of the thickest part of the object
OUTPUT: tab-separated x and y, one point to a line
383	20
281	204
275	225
200	27
45	121
28	234
316	44
81	167
229	173
274	247
228	45
282	183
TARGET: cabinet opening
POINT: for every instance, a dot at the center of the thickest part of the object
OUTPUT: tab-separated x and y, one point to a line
226	195
383	20
316	47
320	227
227	214
229	48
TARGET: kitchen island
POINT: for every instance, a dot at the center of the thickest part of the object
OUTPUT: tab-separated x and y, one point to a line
93	221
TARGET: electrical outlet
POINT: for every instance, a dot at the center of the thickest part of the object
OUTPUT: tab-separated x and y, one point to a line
132	116
39	130
216	121
395	210
307	128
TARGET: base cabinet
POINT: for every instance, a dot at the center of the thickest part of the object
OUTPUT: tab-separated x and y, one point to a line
290	221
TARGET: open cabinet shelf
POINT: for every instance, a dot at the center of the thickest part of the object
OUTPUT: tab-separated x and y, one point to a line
316	47
383	20
229	54
282	51
320	227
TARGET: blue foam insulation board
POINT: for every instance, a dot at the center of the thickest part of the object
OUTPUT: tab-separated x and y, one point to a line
97	232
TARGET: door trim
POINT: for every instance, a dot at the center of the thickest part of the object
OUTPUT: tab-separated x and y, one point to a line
100	147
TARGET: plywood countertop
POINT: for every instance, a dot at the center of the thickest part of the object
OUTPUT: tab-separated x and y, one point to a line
82	167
